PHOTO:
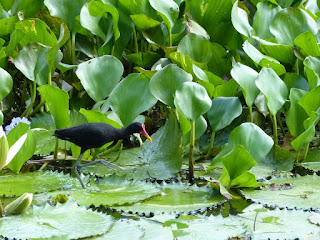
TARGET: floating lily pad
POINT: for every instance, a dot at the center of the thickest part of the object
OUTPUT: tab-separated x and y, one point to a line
279	224
177	197
67	221
35	182
291	192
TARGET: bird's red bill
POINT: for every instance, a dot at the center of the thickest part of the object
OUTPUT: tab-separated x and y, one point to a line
144	133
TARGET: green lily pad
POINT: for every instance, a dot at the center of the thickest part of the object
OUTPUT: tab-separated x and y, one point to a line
67	221
278	224
111	191
177	197
290	192
34	182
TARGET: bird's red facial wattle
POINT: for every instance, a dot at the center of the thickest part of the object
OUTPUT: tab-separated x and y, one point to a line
143	132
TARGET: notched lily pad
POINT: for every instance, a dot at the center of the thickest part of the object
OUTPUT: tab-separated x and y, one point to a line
291	192
110	191
67	221
177	197
35	182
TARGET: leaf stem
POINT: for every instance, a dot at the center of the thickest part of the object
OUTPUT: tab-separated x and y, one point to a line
73	47
135	40
191	162
275	132
33	89
250	114
305	153
211	145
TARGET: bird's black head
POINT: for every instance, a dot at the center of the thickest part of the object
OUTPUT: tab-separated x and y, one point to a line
137	127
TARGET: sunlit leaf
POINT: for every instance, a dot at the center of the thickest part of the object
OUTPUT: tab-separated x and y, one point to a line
312	71
240	20
168	10
308	44
5	82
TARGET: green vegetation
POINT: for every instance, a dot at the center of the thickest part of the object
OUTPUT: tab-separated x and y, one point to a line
229	89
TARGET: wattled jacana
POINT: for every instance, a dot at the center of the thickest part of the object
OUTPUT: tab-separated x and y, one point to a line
94	135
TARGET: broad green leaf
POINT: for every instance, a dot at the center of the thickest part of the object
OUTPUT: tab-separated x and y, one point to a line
168	10
282	53
293	80
160	159
295	114
142	21
312	71
35	182
246	77
311	101
25	151
200	128
227	89
273	88
194	27
5	83
58	103
177	197
65	9
217	25
308	44
220	63
290	23
276	223
7	25
197	47
263	60
240	20
99	76
223	111
165	82
27	7
192	100
112	191
32	62
47	222
263	18
95	116
236	163
100	9
134	89
306	137
291	192
252	137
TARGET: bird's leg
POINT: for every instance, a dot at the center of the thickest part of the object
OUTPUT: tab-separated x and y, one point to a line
75	169
104	162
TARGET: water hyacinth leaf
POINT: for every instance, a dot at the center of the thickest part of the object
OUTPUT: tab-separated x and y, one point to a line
53	222
200	128
220	63
6	83
295	114
197	47
236	163
166	81
65	9
25	152
99	8
99	76
96	116
192	100
134	89
223	111
293	80
240	20
58	103
32	62
308	44
306	137
290	23
312	69
273	88
196	28
168	10
252	137
263	18
311	101
142	21
226	89
263	60
246	77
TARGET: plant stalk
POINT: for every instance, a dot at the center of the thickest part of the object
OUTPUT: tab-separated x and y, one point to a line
73	48
305	153
33	98
211	145
191	162
250	114
275	132
55	154
135	40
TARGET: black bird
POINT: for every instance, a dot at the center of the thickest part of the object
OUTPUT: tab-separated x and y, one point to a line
94	135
